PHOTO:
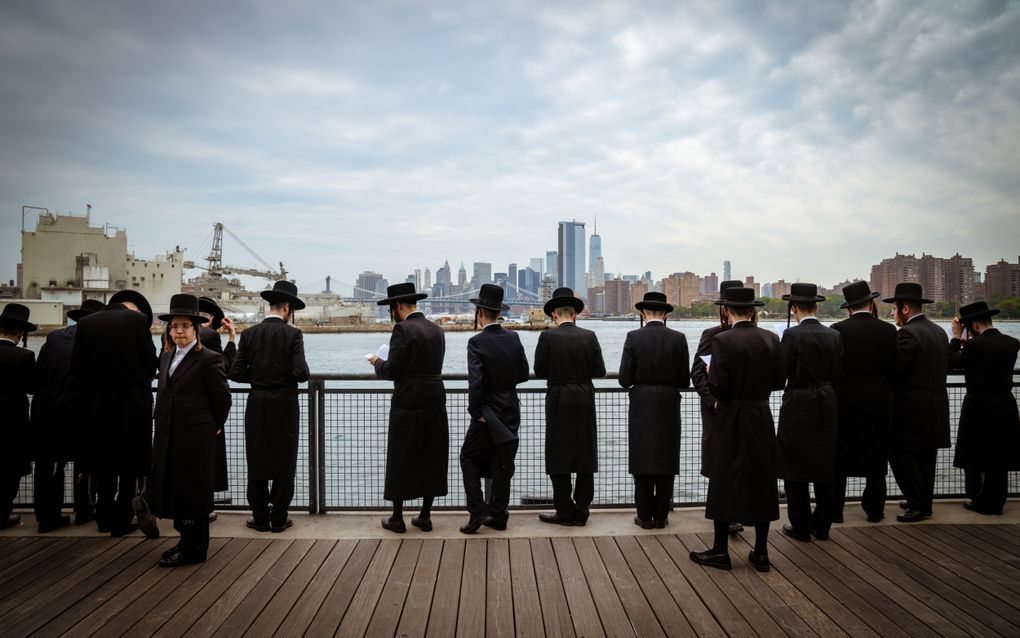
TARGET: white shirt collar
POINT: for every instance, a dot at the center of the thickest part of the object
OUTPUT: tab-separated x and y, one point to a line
11	340
565	321
654	321
861	312
741	321
914	317
186	349
277	317
808	318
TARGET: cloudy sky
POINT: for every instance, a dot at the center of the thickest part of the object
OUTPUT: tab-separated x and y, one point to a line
799	140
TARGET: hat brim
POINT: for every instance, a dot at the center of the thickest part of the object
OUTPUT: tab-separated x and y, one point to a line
857	302
480	304
799	299
657	306
560	302
739	304
984	314
914	299
170	315
136	298
17	324
78	313
412	298
275	297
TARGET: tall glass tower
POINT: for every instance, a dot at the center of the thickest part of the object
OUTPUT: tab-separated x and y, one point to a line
570	260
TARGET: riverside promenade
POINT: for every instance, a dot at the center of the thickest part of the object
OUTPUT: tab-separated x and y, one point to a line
340	574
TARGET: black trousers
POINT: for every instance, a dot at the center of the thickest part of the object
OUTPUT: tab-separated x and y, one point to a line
269	505
872	498
988	489
914	471
479	458
9	484
194	533
798	506
113	500
653	495
576	508
49	491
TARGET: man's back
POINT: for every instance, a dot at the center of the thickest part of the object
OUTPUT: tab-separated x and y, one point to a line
869	346
812	353
920	399
112	349
655	355
503	361
988	361
271	355
568	354
747	364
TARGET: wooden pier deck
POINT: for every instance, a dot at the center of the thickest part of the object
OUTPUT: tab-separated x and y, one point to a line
914	580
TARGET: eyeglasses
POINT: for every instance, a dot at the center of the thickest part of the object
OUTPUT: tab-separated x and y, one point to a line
180	327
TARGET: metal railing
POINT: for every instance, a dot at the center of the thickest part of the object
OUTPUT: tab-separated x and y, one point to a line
342	453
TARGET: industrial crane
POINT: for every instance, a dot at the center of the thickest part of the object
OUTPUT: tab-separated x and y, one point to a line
215	259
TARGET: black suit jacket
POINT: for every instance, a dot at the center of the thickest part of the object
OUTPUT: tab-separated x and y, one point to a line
211	340
496	364
699	370
56	405
17	381
920	399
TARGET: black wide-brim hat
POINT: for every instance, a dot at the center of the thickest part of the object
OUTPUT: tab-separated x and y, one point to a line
184	305
803	293
490	297
857	293
563	297
136	298
87	308
726	285
283	291
401	293
975	311
654	301
209	306
738	297
15	317
908	291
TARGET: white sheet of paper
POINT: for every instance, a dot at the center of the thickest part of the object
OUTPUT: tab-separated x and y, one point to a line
707	358
383	352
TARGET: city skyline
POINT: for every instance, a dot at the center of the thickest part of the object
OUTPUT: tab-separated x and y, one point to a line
801	141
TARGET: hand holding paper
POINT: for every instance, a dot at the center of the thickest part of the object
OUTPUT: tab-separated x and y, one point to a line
382	352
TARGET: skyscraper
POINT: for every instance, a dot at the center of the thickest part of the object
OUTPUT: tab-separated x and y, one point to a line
428	277
461	276
536	265
727	272
482	274
550	267
417	279
570	261
511	277
368	283
594	248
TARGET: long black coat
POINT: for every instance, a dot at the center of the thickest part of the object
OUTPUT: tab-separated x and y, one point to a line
271	357
418	440
569	357
747	365
864	395
989	434
496	364
211	341
699	378
920	400
654	366
56	405
113	363
808	421
191	404
17	381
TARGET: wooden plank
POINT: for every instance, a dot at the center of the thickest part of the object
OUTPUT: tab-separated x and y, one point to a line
841	584
1010	549
823	613
330	613
237	590
977	539
499	601
912	572
555	612
104	585
527	608
446	599
612	615
627	588
671	617
20	549
305	607
414	620
583	613
387	613
366	598
279	606
1007	533
43	564
701	580
699	616
265	588
989	568
471	614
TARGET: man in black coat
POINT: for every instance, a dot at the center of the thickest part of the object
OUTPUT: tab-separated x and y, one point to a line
418	439
210	338
654	366
808	425
747	365
271	357
192	401
17	381
112	363
569	358
864	399
920	424
496	364
56	426
988	439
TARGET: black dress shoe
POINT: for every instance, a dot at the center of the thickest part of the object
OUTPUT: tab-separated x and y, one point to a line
102	528
876	518
821	536
84	519
712	558
838	518
212	516
661	524
472	525
554	519
12	521
424	524
580	517
258	526
61	521
796	534
911	516
494	524
736	528
395	525
179	559
117	532
170	552
146	521
904	505
759	561
642	523
276	529
971	506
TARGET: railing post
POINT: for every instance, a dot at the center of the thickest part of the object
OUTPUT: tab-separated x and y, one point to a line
313	446
320	438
